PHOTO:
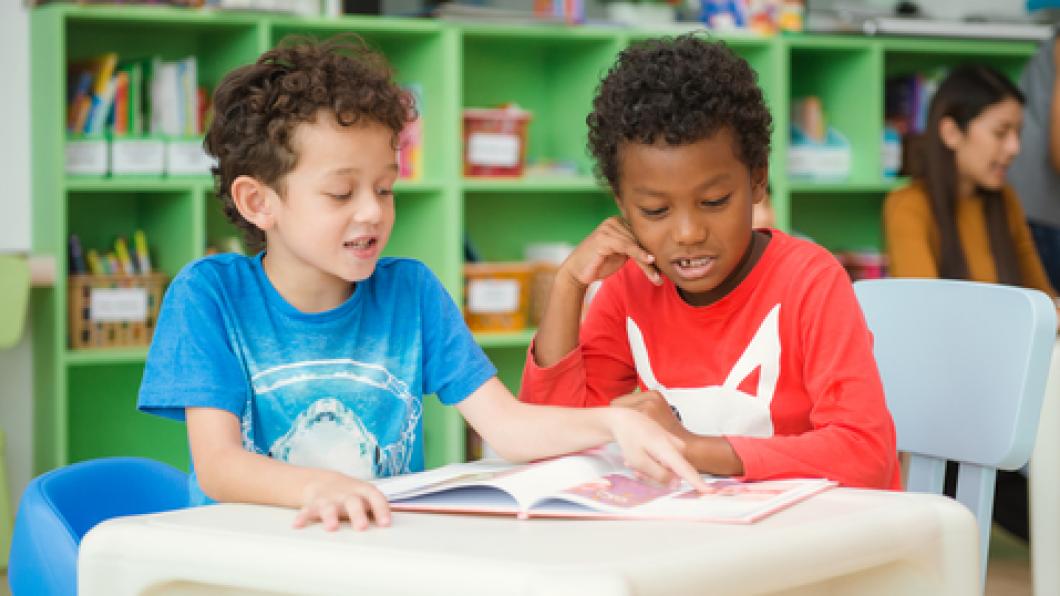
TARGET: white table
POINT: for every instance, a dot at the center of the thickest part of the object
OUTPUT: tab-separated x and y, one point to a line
844	541
1045	489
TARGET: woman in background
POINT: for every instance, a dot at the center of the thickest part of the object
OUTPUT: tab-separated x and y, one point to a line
959	218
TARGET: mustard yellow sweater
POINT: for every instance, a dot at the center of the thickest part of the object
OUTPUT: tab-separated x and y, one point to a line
912	238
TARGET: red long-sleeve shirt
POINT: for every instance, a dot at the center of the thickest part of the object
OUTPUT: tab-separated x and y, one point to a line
782	366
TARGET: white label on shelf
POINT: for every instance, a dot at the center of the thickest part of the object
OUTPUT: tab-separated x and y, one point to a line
188	157
110	305
490	296
86	156
137	156
493	149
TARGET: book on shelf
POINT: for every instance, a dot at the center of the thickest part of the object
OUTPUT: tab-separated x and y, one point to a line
590	484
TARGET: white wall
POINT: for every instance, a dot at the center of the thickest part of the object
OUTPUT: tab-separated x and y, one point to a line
16	405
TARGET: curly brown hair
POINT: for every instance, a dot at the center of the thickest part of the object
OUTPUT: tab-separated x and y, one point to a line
258	106
678	90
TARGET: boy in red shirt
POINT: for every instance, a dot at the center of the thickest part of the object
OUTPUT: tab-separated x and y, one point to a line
748	344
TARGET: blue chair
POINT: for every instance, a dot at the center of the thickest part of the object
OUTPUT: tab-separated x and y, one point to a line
964	366
60	506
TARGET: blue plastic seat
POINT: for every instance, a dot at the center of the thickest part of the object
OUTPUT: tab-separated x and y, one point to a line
964	366
60	506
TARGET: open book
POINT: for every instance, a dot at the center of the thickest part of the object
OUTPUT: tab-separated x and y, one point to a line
589	484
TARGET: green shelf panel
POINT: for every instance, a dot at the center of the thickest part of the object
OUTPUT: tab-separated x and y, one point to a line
136	184
553	77
425	229
500	227
796	186
104	420
840	221
816	41
535	34
534	184
509	361
151	16
908	56
396	27
106	356
417	186
501	340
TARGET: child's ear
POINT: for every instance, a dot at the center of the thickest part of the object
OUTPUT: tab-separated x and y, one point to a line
251	198
759	184
949	133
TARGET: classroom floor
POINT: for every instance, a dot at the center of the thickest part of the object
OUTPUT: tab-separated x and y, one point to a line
1009	569
1009	573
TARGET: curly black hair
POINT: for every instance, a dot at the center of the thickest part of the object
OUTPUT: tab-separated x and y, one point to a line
679	90
257	107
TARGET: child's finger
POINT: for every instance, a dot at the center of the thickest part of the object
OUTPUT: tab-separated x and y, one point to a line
379	506
648	467
673	460
303	517
646	261
329	516
356	512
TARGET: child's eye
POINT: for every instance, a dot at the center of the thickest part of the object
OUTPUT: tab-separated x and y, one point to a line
717	202
653	212
385	192
341	197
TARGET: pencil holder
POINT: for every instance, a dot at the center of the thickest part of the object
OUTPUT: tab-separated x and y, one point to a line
107	311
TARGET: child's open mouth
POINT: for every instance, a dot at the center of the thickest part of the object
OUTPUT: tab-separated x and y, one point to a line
363	247
693	267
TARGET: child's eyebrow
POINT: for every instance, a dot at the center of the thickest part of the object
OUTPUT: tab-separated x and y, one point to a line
722	177
352	170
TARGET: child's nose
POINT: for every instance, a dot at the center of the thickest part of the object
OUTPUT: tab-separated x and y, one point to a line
367	208
689	231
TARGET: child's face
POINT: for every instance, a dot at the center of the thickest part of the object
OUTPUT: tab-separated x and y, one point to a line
690	207
338	209
986	148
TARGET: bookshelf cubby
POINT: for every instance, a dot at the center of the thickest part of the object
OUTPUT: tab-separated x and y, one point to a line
84	399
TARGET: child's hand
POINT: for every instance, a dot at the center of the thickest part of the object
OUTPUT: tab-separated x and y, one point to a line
605	251
341	497
653	405
651	451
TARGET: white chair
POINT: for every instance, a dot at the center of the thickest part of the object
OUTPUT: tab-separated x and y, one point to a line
964	367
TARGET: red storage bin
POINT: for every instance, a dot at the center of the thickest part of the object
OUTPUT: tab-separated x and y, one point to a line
495	141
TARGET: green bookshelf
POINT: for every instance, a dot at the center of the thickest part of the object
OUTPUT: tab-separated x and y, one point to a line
84	399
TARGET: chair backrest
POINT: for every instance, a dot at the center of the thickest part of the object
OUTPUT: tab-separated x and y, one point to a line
59	507
964	366
14	296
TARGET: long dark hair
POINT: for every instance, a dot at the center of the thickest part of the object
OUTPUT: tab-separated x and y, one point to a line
962	96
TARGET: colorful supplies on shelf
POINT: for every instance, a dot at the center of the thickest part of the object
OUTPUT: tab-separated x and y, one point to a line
113	299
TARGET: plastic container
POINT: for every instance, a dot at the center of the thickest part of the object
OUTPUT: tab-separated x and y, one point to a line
497	296
495	141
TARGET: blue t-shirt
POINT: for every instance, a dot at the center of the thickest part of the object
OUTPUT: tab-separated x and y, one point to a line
341	389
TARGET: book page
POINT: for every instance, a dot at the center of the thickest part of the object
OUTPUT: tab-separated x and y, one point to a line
728	500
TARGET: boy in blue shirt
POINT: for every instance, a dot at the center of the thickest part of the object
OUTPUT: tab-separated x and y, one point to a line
300	371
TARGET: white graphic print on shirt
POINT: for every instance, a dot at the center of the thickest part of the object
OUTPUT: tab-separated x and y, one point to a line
723	409
335	433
